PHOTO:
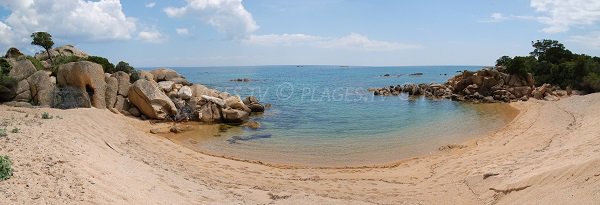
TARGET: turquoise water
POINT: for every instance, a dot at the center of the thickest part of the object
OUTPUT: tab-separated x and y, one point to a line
324	115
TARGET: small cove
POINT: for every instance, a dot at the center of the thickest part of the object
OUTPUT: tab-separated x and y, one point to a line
323	116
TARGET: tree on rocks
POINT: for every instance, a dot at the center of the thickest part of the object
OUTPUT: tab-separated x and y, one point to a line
44	40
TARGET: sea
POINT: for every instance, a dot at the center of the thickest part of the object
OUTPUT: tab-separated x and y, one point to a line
324	116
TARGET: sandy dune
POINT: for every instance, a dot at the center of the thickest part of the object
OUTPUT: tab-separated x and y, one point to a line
550	154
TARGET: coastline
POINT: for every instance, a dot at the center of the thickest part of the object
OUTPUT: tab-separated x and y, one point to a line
508	114
95	156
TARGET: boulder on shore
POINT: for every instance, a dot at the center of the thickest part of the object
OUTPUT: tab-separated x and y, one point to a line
42	89
150	100
22	70
87	77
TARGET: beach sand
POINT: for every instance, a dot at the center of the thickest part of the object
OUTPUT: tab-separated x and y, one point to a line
549	154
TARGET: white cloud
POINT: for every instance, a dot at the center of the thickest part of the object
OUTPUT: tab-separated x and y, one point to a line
352	41
150	5
86	20
151	36
590	40
496	17
182	31
227	16
561	15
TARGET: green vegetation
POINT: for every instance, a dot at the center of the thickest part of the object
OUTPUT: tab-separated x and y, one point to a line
45	115
3	132
5	168
4	67
125	67
37	63
44	40
15	130
550	62
106	65
61	60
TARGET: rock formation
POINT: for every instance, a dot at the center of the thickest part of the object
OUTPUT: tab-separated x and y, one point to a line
487	85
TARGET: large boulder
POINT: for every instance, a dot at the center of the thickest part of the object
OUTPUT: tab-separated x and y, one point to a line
22	69
199	90
150	100
162	74
146	75
123	82
233	115
66	50
69	97
521	91
166	86
41	88
13	53
122	104
86	76
217	101
23	93
185	93
7	91
209	112
112	87
235	102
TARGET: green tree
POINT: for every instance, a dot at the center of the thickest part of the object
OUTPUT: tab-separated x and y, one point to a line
124	66
503	61
551	51
106	65
521	65
44	40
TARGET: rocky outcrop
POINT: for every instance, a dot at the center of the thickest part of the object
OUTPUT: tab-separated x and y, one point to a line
87	77
487	85
150	100
41	88
112	87
123	82
13	53
21	70
23	92
66	50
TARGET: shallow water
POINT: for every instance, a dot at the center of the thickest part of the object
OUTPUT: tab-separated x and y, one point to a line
324	115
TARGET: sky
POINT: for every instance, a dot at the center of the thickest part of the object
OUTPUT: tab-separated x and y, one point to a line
188	33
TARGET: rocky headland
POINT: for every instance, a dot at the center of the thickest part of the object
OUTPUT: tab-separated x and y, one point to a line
160	94
488	85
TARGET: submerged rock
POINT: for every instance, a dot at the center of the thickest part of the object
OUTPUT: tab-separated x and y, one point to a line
234	139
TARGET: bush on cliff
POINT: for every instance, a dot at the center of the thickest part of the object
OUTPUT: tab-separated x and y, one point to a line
106	65
124	66
4	66
550	62
61	60
37	63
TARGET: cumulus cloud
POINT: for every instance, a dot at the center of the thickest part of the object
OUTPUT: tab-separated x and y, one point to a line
150	5
182	31
151	36
227	16
561	15
352	41
85	20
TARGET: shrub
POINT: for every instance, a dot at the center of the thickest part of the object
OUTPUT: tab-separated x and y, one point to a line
520	65
4	66
591	82
37	63
135	75
3	132
61	60
15	130
8	88
106	65
45	115
125	67
5	168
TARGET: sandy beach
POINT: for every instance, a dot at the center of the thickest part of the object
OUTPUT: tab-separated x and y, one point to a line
549	154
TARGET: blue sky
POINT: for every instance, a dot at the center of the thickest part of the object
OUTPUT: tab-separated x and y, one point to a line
278	32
